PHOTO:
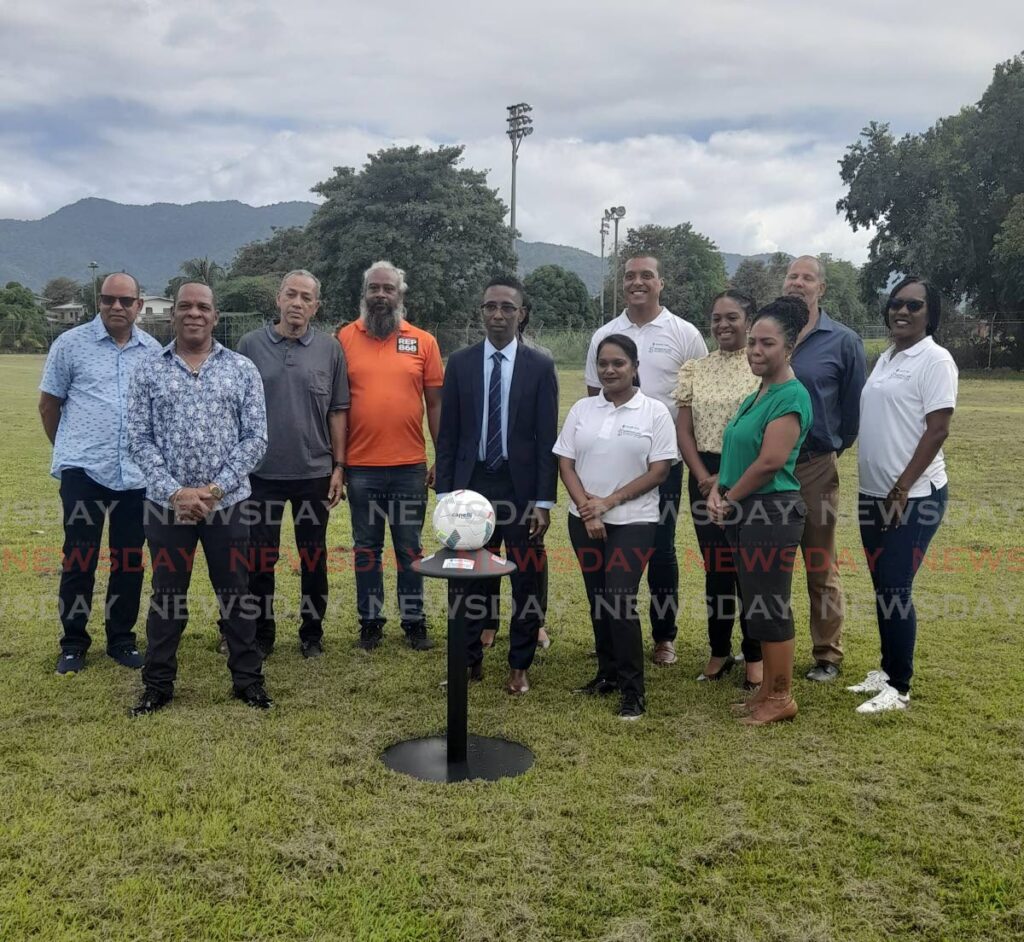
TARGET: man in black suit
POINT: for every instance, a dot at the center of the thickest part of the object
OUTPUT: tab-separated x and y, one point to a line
499	415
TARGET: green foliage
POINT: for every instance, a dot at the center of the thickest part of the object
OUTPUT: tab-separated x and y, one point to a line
691	266
249	294
843	299
418	208
939	201
559	299
1008	255
287	249
752	278
22	323
58	291
204	270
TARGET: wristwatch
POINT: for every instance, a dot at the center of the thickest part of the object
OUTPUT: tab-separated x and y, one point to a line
216	490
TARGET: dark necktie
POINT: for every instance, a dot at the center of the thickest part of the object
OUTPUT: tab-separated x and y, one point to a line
492	453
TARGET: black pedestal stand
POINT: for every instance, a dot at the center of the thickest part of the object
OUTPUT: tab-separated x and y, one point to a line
457	756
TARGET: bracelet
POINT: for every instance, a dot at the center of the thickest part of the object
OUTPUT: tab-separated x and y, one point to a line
339	465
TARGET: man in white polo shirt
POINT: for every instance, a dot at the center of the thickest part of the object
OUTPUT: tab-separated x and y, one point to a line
665	342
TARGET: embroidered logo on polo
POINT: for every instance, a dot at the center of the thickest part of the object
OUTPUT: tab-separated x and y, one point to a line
408	345
658	346
634	431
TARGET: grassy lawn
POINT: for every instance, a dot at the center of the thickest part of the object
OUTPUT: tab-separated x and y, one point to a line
212	822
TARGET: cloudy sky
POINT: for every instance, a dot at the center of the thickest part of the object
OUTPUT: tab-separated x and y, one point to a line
731	115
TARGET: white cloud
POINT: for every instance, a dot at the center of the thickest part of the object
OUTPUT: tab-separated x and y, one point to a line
731	115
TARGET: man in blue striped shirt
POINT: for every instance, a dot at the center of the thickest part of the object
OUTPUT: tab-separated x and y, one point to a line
83	403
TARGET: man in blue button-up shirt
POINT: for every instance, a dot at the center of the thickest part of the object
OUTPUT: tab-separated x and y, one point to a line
829	360
83	404
198	428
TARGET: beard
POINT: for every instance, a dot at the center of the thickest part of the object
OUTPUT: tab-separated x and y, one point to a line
381	319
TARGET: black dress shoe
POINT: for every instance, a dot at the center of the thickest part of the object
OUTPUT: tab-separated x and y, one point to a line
151	701
598	687
311	649
476	671
255	695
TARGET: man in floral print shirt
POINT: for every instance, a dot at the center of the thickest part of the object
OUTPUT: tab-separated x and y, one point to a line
197	428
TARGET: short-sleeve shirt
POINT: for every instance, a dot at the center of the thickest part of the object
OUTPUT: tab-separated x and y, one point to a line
713	388
386	380
745	433
900	392
304	381
663	345
90	372
613	445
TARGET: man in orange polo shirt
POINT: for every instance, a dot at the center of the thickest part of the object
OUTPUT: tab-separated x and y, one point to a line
393	368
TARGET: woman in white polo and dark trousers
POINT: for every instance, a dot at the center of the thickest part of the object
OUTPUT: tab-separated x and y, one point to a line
614	451
905	410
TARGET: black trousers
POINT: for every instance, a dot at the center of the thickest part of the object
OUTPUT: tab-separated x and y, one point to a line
611	570
224	535
663	571
85	505
721	582
765	534
310	514
482	597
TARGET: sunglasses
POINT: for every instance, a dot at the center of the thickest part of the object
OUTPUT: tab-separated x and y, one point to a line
492	307
107	300
912	306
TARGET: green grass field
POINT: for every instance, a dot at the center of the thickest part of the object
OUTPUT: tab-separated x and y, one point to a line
209	821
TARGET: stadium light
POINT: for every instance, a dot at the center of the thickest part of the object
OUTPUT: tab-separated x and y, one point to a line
520	125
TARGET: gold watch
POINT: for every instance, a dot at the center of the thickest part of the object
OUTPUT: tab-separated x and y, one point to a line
216	490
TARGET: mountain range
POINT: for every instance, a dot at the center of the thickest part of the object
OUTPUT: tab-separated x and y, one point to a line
152	241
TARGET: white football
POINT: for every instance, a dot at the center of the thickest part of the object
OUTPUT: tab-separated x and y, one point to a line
464	520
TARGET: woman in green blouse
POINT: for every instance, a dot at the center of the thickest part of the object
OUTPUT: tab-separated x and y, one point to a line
708	392
757	500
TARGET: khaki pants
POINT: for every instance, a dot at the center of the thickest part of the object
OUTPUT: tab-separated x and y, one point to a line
819	487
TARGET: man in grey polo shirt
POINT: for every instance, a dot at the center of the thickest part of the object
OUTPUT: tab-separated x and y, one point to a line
306	385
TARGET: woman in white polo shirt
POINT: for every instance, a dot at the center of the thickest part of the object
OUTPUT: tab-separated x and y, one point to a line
905	410
614	450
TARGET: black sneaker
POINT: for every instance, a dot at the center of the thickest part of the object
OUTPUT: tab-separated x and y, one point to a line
632	707
70	663
370	637
598	687
311	649
416	638
255	695
128	656
151	701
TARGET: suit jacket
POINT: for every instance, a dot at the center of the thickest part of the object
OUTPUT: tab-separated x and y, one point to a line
532	423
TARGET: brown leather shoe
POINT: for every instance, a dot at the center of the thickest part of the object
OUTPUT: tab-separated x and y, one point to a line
771	710
476	671
487	637
664	653
518	683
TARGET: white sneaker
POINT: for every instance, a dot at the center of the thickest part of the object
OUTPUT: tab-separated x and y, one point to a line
889	699
875	681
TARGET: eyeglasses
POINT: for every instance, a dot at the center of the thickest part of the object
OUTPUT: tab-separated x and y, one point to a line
912	306
492	307
107	300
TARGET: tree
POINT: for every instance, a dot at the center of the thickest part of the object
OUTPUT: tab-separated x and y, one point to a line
249	294
559	299
418	208
61	290
754	280
287	249
691	267
939	200
843	299
22	324
201	270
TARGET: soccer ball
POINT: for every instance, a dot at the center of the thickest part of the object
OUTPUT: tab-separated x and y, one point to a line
464	520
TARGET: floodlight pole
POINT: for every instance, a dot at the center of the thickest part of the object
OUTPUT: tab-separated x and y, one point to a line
615	213
520	125
95	300
604	271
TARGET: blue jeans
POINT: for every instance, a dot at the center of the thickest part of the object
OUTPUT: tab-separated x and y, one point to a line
894	554
396	496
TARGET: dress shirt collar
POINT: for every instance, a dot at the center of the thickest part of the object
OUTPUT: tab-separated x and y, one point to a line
508	351
100	332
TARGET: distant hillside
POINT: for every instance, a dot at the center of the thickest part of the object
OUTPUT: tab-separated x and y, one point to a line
150	241
534	254
732	261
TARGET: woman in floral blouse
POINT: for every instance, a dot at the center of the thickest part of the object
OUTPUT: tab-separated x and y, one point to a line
708	392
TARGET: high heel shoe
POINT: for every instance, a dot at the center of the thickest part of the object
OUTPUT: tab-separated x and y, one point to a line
728	665
786	711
